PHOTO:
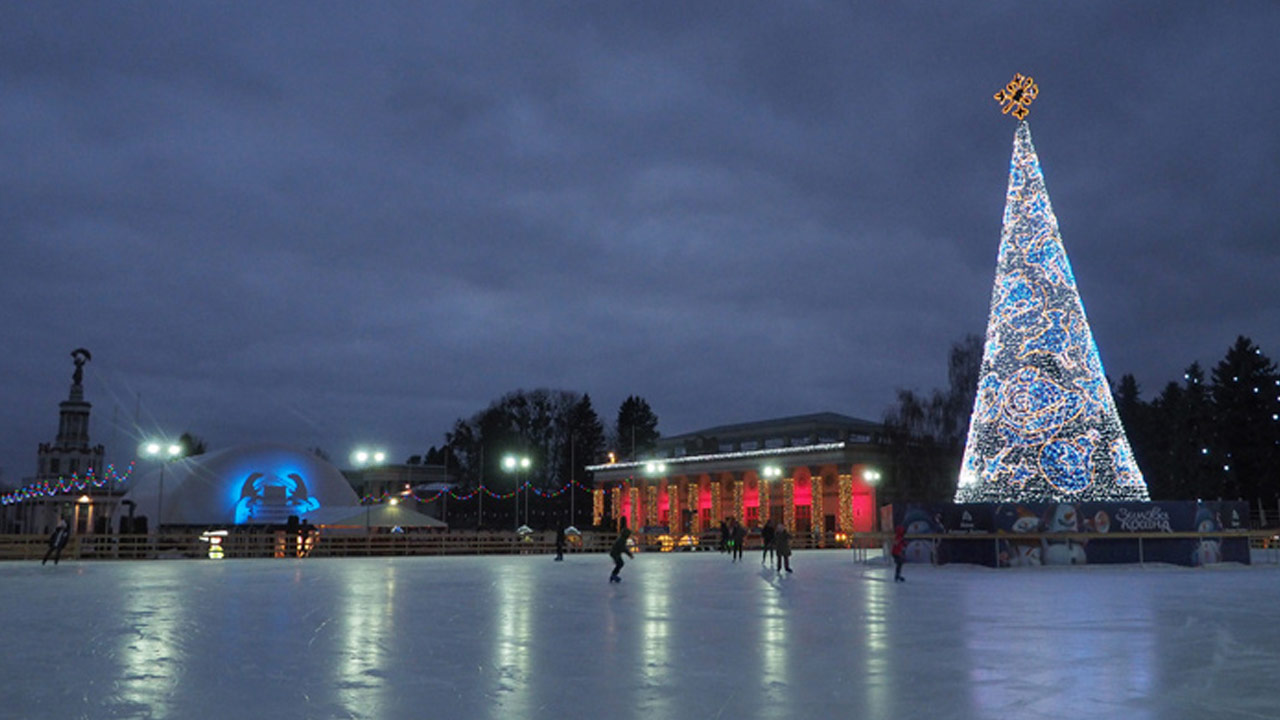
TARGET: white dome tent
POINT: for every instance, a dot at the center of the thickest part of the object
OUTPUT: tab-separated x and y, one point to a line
262	483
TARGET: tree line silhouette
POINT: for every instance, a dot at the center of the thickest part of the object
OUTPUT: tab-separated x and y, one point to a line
1214	437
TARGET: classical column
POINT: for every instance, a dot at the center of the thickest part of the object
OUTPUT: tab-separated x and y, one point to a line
763	484
635	508
673	507
844	512
616	505
789	503
739	512
651	506
597	507
818	521
715	504
695	519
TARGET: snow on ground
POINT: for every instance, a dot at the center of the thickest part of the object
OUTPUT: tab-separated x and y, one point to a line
683	636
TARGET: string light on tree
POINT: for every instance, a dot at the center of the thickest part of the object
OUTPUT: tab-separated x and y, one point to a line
1044	424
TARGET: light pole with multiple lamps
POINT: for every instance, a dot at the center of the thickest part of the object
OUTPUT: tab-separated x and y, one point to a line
515	464
363	458
164	451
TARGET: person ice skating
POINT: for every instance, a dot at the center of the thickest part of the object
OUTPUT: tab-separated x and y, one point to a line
560	544
782	546
899	551
739	539
724	536
766	537
619	547
57	541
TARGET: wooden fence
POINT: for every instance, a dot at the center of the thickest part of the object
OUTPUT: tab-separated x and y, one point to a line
281	544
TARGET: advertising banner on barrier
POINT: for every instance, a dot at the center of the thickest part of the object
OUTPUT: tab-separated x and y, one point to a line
1115	519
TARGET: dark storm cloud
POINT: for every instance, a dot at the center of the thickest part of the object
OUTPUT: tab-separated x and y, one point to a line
331	223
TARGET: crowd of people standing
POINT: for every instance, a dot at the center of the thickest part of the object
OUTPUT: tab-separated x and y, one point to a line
775	542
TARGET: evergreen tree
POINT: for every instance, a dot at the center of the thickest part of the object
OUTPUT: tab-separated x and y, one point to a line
636	432
1135	416
586	441
1246	397
1178	450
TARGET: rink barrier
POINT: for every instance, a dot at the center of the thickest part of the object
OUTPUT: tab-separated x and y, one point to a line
1265	544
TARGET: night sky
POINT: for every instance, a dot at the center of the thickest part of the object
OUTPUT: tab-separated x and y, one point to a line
339	223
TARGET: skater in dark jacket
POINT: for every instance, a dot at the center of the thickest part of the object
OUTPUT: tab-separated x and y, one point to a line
899	551
766	537
619	547
739	539
57	541
782	545
560	544
724	536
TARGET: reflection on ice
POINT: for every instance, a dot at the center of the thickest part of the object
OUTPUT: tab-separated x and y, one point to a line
512	643
774	668
151	655
364	626
1044	652
876	598
655	641
685	635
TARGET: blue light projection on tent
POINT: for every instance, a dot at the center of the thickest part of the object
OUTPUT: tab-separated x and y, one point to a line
1044	424
271	497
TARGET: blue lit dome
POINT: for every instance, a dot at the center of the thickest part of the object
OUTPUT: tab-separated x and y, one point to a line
261	483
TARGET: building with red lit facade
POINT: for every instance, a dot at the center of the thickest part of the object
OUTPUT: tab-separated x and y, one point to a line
817	474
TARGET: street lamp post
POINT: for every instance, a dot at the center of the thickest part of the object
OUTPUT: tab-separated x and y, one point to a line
770	472
654	469
872	477
164	451
573	490
515	464
362	459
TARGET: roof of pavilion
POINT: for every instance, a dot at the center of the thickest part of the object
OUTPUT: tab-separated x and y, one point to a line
792	430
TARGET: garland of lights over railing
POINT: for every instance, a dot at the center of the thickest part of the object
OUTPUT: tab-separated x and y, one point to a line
432	497
109	480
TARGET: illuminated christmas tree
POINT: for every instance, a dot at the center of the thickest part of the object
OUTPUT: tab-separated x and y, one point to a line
1044	424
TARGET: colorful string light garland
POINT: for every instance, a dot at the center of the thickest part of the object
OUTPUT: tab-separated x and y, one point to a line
109	479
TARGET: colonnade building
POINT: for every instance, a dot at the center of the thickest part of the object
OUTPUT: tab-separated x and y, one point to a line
816	473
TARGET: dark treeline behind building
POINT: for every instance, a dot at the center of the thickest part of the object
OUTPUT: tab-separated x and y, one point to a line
926	434
1204	438
1210	438
557	430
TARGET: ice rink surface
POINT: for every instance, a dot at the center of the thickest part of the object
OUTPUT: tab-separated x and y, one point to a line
683	636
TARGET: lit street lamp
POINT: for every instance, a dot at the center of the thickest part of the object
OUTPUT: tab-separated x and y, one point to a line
654	469
363	458
872	477
164	451
767	473
515	464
